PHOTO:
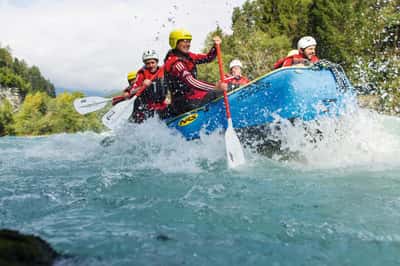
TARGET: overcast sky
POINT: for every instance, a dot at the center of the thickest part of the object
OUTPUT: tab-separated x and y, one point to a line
92	45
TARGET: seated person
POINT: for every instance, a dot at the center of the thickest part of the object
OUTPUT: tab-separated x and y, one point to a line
187	92
131	79
235	79
306	54
149	82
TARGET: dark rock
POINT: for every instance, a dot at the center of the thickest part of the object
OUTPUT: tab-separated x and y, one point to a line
17	249
162	237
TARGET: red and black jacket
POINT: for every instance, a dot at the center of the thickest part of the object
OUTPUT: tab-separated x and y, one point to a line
154	95
181	74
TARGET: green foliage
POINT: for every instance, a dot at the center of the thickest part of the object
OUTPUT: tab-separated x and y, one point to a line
9	79
5	57
63	117
6	118
16	73
30	118
42	115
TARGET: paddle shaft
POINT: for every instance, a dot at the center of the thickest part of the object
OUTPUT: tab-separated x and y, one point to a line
221	75
96	103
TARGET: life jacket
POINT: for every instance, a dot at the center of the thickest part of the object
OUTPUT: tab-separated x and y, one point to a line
235	82
295	60
179	90
154	95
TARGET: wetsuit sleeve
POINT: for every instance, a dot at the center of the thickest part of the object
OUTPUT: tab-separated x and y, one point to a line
180	71
204	58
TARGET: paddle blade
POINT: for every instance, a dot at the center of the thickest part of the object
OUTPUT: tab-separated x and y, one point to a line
119	114
234	151
90	104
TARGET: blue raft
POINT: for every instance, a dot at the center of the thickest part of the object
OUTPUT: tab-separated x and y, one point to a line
293	93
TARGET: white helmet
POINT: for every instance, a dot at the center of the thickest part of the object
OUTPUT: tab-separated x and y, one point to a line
149	54
235	62
305	42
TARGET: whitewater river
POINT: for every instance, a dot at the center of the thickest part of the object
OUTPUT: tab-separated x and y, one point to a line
152	198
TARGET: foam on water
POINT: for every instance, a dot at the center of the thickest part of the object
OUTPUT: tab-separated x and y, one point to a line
357	139
361	138
111	205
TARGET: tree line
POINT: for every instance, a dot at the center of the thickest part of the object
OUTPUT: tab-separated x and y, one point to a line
41	113
361	35
15	73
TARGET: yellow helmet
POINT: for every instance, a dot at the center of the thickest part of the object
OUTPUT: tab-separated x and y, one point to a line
178	34
132	75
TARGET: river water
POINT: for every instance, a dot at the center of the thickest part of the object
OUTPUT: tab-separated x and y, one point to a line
152	198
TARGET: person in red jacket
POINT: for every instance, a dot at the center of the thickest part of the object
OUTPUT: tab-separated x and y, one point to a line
153	98
187	92
306	54
235	79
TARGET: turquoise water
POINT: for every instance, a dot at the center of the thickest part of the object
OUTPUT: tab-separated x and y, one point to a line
151	198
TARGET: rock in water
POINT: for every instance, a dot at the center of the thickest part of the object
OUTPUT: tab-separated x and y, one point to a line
17	249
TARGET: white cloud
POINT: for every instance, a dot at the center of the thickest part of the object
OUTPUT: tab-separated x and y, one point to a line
93	44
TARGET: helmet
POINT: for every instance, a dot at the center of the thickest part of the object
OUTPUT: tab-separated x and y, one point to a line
305	42
293	52
178	34
132	75
149	54
235	62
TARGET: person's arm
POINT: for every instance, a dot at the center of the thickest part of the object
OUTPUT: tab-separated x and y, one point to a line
210	56
279	63
180	71
204	58
245	80
314	59
287	62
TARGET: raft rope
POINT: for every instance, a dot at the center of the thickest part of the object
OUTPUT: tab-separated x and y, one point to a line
337	71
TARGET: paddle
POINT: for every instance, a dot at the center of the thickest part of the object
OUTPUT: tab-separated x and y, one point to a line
234	149
90	104
121	112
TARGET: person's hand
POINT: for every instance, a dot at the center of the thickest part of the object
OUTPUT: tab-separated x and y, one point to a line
147	82
221	86
217	40
118	99
132	92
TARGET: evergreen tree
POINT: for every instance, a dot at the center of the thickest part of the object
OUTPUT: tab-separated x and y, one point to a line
16	73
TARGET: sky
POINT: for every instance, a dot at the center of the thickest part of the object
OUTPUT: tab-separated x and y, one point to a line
92	45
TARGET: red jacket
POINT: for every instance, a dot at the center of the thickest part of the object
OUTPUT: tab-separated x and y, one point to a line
144	73
294	60
181	74
236	80
152	100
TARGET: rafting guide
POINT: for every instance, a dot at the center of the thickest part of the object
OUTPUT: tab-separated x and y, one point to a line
305	54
